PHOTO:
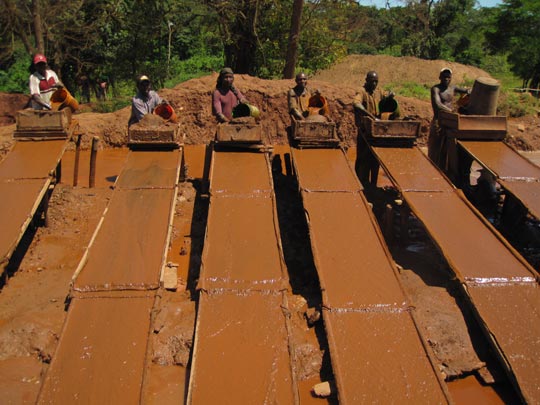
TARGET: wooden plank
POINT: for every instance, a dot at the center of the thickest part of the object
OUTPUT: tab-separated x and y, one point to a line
505	162
100	358
412	170
342	233
378	357
324	169
457	229
526	192
128	250
20	201
375	350
241	351
150	169
502	286
242	249
511	312
240	173
32	160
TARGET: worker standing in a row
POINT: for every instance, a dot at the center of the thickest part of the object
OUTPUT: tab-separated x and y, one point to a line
43	82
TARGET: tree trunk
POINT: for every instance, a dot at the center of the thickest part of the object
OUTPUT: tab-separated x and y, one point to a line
38	27
294	37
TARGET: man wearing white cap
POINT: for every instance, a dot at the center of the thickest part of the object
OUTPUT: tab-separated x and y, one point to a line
144	101
442	98
43	83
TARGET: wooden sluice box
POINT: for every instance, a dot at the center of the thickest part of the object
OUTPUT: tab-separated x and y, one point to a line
241	133
473	127
314	134
389	132
152	132
43	125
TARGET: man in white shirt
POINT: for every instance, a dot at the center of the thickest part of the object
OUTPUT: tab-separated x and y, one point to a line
43	83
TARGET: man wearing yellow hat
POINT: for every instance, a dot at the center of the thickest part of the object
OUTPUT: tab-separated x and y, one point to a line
43	83
144	102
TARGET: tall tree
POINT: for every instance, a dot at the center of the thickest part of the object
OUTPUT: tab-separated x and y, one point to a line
294	36
518	32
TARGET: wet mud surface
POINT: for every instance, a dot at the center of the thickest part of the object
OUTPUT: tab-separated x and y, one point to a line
494	266
33	298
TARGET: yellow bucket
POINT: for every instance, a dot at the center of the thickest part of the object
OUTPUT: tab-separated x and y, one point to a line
61	99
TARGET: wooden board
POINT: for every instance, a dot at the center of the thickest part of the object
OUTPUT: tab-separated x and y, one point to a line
245	133
43	120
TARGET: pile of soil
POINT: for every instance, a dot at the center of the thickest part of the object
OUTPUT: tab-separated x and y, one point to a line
191	101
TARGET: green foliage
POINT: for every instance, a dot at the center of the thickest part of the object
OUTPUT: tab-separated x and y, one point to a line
518	32
15	78
410	89
111	105
173	41
515	104
196	66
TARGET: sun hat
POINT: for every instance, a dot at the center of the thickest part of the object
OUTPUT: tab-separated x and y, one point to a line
446	69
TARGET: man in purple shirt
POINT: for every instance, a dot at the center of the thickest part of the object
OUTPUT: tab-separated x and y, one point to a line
226	96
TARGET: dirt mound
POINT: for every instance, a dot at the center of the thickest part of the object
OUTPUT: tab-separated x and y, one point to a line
9	104
352	70
192	103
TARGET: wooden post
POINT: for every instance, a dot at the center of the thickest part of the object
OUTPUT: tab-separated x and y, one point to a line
76	163
389	224
93	155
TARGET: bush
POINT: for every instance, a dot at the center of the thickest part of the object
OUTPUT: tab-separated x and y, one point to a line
410	89
515	105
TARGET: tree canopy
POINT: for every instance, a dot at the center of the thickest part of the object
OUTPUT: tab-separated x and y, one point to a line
119	39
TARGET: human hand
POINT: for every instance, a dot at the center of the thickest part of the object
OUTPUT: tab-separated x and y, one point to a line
391	94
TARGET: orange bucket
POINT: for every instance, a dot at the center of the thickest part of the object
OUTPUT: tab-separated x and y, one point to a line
61	99
166	112
317	104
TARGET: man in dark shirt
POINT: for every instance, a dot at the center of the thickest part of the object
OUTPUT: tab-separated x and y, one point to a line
442	99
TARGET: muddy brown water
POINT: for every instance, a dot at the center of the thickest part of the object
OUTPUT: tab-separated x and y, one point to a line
165	383
484	262
366	314
516	174
25	176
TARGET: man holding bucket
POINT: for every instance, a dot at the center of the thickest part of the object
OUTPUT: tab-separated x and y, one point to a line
145	101
43	83
368	103
226	96
302	101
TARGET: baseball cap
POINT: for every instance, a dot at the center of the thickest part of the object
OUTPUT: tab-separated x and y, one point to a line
446	69
143	78
39	58
226	71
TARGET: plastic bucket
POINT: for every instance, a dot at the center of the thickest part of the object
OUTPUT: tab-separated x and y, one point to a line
484	97
166	112
61	99
317	104
245	110
388	108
